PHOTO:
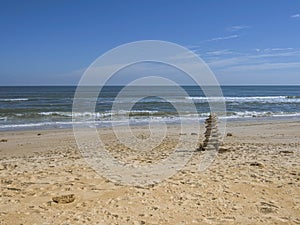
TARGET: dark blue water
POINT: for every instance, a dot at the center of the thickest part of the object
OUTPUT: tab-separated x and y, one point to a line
51	107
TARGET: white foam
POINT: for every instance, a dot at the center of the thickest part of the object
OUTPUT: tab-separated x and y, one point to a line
97	114
262	99
3	119
13	99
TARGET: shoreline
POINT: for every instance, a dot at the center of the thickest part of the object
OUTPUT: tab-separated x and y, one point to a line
38	126
12	140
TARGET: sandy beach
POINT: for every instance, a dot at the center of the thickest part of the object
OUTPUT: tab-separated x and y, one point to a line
255	180
149	112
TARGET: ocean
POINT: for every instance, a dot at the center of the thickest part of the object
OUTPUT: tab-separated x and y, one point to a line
47	107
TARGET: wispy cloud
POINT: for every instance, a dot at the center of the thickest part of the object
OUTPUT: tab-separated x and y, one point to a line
277	49
220	63
237	27
224	38
295	15
262	66
219	52
260	59
282	53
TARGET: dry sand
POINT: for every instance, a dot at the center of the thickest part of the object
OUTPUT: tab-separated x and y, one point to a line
257	181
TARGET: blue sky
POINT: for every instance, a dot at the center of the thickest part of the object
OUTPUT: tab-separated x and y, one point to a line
244	42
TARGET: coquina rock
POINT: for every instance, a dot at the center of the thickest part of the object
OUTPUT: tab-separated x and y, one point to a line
212	136
64	199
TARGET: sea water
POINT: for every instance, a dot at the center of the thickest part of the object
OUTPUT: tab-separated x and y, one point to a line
43	107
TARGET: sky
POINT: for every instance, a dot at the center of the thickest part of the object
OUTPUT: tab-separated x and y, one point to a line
52	42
